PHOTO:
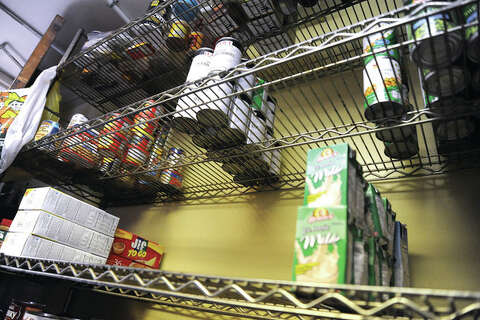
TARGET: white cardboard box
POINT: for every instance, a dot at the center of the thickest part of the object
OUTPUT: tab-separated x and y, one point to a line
27	245
65	206
49	226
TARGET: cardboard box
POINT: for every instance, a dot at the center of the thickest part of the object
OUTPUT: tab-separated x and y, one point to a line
27	245
115	260
130	246
332	179
49	226
323	246
69	208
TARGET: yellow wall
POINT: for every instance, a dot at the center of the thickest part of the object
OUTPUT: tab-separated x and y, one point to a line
253	236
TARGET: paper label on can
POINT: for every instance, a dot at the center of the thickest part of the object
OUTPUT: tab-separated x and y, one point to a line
437	24
471	15
200	67
380	41
46	128
382	81
225	56
77	119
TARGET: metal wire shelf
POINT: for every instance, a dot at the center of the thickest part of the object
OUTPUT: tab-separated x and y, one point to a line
107	76
255	298
319	102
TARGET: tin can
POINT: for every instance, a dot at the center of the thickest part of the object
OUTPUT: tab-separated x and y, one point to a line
444	106
151	33
161	16
208	139
233	168
227	54
76	120
380	41
115	136
215	113
185	9
200	66
81	147
454	129
140	50
195	40
157	153
471	33
245	83
444	82
382	89
143	142
397	134
110	165
307	3
288	7
257	131
172	177
175	155
177	38
46	128
434	47
236	131
136	157
17	309
144	125
265	25
403	149
185	118
245	180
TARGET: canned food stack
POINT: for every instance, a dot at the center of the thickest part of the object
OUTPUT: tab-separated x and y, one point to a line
114	136
142	135
172	178
227	55
158	153
184	119
81	147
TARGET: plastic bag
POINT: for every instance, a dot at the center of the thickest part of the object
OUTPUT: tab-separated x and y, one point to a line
22	127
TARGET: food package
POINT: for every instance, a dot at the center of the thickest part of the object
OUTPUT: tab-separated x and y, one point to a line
390	226
58	203
323	245
401	274
4	226
11	102
116	260
374	272
376	215
332	179
132	247
360	257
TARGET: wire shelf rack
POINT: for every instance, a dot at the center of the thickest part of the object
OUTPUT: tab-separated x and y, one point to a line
255	298
111	74
318	88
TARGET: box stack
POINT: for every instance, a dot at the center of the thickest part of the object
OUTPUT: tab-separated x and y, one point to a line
52	225
130	250
346	233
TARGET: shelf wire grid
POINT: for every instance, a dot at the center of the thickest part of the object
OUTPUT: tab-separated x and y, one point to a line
318	104
255	298
108	75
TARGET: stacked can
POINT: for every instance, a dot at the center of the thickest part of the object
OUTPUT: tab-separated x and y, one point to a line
172	178
470	14
157	152
227	55
185	118
433	47
114	136
81	147
142	134
382	78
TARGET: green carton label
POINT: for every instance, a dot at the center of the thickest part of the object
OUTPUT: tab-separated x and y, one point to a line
327	176
322	245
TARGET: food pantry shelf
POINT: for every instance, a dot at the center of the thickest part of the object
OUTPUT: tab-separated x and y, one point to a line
109	75
255	298
319	102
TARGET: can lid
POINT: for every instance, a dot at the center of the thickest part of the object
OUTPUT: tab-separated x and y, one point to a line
202	50
235	42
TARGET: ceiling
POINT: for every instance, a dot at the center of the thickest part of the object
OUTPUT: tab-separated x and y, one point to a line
87	14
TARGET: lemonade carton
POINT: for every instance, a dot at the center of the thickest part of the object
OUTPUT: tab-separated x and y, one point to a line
323	245
332	179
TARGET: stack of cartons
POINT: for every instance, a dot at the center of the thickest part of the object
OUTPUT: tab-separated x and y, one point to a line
52	225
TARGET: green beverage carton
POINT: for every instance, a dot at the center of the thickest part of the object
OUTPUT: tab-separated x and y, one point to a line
331	178
323	245
374	278
376	216
360	257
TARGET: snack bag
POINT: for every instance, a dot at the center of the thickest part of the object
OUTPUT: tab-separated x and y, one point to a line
11	102
323	246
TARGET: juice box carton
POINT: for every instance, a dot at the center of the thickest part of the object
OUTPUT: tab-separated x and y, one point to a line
374	268
51	227
21	244
131	246
332	179
323	245
376	215
53	201
115	260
